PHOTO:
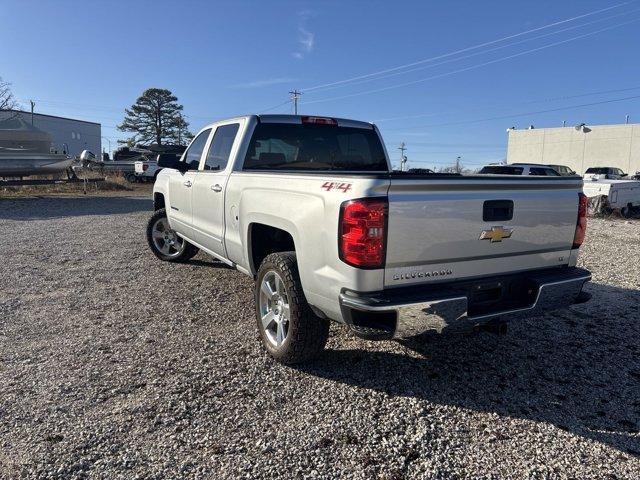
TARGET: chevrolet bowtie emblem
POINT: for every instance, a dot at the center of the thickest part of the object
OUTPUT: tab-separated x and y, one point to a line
496	234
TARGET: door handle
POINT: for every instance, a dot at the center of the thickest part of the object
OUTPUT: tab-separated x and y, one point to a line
187	183
216	188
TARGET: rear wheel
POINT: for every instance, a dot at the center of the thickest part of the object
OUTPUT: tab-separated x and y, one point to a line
289	329
627	211
166	244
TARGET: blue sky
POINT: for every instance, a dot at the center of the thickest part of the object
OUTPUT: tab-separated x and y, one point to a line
393	63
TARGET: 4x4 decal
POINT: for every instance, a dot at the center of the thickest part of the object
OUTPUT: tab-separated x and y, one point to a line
328	186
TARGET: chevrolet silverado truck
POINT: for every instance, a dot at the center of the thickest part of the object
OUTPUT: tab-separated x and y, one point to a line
311	209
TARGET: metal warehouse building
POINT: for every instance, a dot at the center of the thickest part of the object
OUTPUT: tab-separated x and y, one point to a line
578	147
68	134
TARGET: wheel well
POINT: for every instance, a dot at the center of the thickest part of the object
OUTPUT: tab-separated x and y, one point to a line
158	201
265	239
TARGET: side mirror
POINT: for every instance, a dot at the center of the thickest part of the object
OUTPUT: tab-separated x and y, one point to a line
624	174
169	160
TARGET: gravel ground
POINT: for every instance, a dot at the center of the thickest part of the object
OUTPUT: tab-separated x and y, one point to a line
116	365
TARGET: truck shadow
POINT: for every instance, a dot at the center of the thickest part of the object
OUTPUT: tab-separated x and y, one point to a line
578	369
38	208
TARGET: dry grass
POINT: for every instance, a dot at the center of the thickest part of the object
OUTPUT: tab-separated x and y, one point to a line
114	182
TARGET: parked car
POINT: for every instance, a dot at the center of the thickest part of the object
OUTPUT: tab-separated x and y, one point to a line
520	169
563	170
309	208
610	173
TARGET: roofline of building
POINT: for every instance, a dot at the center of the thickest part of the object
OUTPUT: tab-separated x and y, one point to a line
588	125
53	116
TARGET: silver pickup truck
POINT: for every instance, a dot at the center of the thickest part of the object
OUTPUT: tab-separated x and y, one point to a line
311	209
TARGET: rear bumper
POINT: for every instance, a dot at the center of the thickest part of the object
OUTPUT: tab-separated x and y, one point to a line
407	312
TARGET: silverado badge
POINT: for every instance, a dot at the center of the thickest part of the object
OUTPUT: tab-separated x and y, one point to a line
496	234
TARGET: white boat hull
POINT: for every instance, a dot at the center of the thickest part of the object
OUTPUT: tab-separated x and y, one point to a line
25	164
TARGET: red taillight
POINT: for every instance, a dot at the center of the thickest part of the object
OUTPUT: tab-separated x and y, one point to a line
320	120
361	235
581	226
144	167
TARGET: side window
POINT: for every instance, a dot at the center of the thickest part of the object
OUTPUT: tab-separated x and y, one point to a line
194	152
220	149
550	172
537	171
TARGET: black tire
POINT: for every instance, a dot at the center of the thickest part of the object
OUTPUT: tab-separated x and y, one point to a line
307	333
626	212
188	252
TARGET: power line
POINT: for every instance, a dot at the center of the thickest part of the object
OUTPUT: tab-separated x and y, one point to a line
502	117
93	108
474	47
483	52
274	107
544	100
473	67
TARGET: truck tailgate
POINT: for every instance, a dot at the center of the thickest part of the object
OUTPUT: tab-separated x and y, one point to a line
139	167
463	227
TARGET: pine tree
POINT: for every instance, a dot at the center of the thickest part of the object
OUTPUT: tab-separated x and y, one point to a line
156	117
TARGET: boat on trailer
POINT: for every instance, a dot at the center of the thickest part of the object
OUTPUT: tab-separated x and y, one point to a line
26	150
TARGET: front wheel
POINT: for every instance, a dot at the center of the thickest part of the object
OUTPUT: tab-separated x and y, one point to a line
289	329
166	244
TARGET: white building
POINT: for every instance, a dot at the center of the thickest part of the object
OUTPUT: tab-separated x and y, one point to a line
578	147
69	135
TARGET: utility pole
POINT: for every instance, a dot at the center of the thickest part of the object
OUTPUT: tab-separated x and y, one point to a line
109	141
295	95
403	157
33	104
626	121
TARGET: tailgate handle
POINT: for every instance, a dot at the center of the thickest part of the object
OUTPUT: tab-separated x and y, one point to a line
497	210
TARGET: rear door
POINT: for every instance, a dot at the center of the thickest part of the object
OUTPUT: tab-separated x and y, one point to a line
180	186
209	189
447	229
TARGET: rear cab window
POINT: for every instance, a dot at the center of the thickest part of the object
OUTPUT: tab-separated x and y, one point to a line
313	147
220	148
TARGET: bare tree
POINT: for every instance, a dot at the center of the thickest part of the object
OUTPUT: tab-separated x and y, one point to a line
7	102
456	167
